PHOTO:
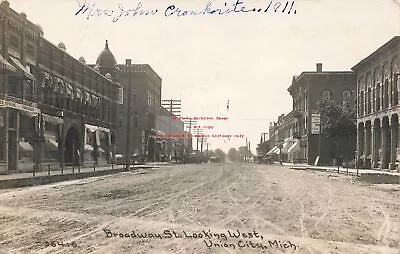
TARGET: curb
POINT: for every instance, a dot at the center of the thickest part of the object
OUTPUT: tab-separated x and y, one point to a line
42	180
374	178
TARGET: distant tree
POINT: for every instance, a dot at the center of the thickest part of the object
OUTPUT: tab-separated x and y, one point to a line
338	123
233	154
220	154
263	148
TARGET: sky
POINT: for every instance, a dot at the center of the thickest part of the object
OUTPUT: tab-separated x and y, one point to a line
248	58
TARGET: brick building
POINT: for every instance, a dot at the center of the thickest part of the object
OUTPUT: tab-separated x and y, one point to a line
170	136
378	106
307	90
281	139
53	108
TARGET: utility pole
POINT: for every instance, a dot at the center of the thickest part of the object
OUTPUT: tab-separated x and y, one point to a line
249	150
245	152
128	121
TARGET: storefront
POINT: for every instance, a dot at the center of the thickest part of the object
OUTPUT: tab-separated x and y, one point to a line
19	125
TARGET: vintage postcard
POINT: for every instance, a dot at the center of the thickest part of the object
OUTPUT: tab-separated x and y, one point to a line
201	126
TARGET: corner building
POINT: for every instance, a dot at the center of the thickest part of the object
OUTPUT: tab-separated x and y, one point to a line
54	109
378	107
307	90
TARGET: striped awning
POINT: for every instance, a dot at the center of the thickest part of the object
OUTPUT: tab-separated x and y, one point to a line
69	89
22	68
5	65
78	94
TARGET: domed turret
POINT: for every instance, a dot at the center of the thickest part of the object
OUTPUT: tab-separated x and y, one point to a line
106	59
61	45
82	60
40	28
5	2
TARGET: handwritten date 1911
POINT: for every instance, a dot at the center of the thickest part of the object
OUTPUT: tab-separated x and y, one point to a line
58	243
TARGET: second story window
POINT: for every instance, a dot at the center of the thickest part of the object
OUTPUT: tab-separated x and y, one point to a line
14	42
30	50
326	95
346	96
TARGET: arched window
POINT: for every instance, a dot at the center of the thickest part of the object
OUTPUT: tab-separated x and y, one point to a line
361	104
369	110
326	95
346	96
386	94
378	97
395	91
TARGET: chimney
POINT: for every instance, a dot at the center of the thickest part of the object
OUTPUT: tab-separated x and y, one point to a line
128	62
319	67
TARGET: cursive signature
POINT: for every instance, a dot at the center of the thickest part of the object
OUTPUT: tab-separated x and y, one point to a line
237	7
90	9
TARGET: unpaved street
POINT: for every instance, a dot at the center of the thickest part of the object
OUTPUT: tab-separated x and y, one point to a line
209	208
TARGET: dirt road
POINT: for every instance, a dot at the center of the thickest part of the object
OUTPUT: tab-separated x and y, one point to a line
229	208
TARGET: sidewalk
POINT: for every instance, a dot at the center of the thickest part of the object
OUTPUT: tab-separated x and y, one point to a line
45	177
369	175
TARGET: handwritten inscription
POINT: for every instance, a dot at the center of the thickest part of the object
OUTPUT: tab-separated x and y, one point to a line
90	9
57	243
229	239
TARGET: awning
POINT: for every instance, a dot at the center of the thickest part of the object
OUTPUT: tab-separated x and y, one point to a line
272	150
78	94
52	119
88	147
51	142
46	79
295	147
286	147
69	90
25	146
87	97
22	68
59	85
91	128
6	66
30	114
94	99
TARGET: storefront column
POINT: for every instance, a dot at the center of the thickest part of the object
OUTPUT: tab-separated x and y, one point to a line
394	137
385	159
375	146
368	142
4	140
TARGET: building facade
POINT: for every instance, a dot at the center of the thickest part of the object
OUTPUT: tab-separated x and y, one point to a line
145	106
170	137
307	90
283	145
54	109
378	107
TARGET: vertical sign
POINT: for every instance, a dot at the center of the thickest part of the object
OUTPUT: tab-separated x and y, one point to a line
315	123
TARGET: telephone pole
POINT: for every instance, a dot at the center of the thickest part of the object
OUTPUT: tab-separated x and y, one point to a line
128	120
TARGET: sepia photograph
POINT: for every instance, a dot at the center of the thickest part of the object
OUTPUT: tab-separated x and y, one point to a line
201	126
